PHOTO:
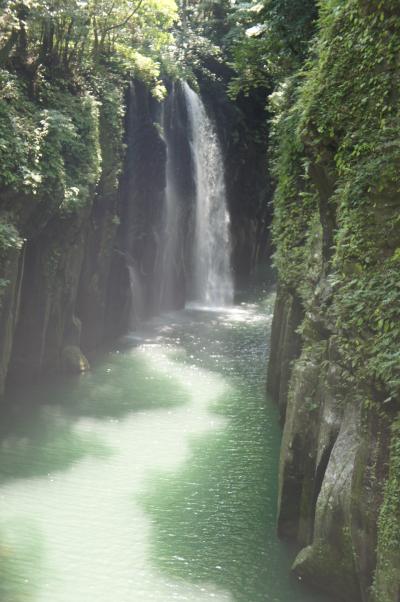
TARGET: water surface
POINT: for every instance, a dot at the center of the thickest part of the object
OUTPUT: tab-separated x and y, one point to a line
151	478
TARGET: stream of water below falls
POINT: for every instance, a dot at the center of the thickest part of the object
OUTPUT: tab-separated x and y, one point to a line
153	477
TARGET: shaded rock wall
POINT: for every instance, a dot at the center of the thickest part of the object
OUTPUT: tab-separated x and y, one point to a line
141	205
61	292
334	367
47	319
43	237
175	264
334	466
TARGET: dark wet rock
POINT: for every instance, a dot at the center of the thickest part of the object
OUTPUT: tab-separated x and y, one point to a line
73	361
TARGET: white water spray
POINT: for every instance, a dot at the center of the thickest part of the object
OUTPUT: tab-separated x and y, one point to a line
137	311
172	234
212	247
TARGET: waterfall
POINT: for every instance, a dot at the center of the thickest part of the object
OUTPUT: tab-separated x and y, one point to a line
171	244
137	310
212	249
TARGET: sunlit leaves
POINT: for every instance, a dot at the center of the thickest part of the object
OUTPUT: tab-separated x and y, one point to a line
76	35
269	40
344	115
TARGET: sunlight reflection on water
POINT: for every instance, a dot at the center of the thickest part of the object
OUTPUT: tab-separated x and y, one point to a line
153	478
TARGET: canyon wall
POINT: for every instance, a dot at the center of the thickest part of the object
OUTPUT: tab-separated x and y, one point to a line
334	368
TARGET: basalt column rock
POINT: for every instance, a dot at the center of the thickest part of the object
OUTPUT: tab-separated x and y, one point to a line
141	204
285	345
51	277
12	274
175	261
101	232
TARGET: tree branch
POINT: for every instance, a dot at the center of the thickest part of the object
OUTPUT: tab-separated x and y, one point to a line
125	21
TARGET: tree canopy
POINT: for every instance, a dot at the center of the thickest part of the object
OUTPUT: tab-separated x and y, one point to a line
73	38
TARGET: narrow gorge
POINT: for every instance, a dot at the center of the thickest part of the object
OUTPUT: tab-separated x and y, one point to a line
199	301
116	258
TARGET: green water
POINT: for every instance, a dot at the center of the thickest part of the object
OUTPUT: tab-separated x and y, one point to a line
151	478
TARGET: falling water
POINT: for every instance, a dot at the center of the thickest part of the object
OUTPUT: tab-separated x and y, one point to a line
169	277
212	249
137	311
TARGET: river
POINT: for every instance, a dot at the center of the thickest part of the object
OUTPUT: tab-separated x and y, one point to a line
153	477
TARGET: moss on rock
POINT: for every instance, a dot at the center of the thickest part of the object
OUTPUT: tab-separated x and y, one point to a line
336	230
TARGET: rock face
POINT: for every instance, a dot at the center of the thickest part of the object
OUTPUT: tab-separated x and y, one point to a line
12	273
334	367
82	248
175	263
335	469
66	283
56	228
73	361
141	198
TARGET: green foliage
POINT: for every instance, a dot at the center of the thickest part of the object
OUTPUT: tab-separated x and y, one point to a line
63	67
10	243
18	136
256	42
9	238
62	75
387	580
269	41
53	39
336	131
111	113
49	153
294	202
344	118
198	35
389	525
